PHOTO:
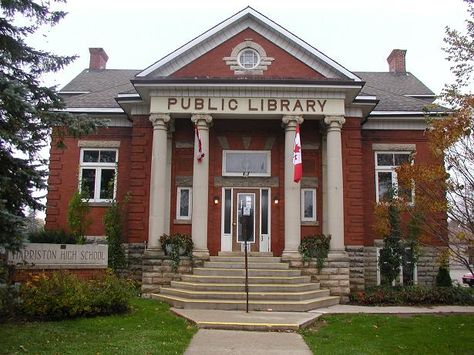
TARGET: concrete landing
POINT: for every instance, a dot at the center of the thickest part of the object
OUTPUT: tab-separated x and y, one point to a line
219	342
353	309
240	320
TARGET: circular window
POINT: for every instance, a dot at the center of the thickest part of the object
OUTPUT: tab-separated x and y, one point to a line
248	58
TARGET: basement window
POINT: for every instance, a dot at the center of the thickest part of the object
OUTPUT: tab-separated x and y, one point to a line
98	174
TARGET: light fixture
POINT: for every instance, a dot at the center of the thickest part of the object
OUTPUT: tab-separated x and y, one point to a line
276	200
216	200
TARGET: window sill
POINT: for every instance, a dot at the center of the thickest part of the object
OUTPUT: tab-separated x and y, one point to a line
309	223
182	221
100	204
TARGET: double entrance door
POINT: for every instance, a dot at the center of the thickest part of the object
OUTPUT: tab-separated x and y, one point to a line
246	215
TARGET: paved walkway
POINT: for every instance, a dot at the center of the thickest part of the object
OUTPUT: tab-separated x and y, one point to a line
346	308
217	342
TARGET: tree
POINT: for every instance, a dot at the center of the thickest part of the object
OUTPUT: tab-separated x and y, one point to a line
28	111
78	216
447	190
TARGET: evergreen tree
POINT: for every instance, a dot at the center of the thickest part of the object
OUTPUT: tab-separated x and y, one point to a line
28	111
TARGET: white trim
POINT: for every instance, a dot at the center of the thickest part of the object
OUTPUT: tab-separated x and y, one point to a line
366	97
254	215
73	92
416	95
226	238
119	95
94	109
178	204
389	169
260	86
269	161
98	167
269	216
255	15
402	113
313	218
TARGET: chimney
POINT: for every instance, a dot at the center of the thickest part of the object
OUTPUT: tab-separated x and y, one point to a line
98	59
396	61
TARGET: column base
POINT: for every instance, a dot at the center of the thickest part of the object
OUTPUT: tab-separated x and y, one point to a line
291	255
202	254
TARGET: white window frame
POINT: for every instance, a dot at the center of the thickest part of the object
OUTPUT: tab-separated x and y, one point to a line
400	277
178	203
98	167
269	160
241	53
313	217
389	169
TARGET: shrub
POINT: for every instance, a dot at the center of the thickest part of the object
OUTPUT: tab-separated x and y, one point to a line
413	295
113	222
64	295
443	279
53	237
175	245
77	214
315	246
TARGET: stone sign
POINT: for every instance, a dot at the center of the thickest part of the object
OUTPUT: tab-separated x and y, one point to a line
54	256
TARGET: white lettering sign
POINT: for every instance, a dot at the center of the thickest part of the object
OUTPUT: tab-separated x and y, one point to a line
60	255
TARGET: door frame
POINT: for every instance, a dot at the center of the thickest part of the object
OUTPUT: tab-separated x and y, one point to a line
226	238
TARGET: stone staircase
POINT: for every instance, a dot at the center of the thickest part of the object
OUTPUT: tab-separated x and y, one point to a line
220	285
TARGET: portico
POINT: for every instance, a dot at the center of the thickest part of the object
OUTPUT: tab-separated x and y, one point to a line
213	187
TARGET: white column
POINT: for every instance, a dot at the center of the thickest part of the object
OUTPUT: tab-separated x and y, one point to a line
158	193
200	187
292	191
335	193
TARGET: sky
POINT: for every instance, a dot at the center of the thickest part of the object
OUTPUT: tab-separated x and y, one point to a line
357	34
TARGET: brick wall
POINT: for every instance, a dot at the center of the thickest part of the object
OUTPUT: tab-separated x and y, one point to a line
212	64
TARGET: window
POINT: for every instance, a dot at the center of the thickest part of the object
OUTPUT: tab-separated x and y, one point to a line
184	203
248	58
246	163
386	177
408	269
98	172
308	205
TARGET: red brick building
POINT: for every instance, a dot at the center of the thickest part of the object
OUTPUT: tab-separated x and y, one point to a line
244	85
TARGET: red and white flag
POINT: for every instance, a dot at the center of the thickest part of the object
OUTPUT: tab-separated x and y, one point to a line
200	154
297	159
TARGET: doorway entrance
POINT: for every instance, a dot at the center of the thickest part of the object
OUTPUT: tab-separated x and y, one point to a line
246	212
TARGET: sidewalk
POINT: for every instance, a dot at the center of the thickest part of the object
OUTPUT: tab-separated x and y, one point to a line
350	309
217	342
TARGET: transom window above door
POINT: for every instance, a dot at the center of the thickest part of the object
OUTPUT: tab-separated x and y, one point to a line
246	163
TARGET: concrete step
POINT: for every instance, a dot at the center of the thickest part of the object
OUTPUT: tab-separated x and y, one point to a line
240	259
241	272
240	287
241	253
241	265
254	296
254	305
241	279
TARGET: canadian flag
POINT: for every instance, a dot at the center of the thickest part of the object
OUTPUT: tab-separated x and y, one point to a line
200	154
297	159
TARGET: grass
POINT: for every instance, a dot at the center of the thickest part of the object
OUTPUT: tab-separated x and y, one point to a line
148	329
379	334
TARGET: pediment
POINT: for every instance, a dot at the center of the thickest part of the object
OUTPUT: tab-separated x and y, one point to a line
281	54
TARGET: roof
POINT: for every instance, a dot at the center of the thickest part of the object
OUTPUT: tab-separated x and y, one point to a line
397	91
98	88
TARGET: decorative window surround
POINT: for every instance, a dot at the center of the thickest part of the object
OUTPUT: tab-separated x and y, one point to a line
385	173
98	144
234	63
184	202
308	205
388	146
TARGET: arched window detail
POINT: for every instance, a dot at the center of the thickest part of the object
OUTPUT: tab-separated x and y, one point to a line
248	58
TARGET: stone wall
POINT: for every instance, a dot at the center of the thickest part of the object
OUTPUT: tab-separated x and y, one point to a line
134	256
356	267
334	275
157	270
427	266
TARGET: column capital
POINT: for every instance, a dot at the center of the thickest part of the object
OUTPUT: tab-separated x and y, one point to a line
201	119
290	121
334	121
159	120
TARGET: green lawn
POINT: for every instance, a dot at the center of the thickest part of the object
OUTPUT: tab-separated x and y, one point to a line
148	329
379	334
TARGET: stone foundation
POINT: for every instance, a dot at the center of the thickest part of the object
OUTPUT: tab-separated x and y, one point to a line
158	271
363	266
334	275
134	256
